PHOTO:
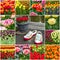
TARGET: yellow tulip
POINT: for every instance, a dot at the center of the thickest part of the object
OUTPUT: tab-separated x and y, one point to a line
55	16
47	16
20	6
51	21
23	7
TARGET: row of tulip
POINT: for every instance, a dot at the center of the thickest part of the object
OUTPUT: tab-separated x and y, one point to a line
7	22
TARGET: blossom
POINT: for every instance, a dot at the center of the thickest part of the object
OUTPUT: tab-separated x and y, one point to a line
17	49
33	14
7	22
25	46
6	6
22	19
26	51
43	2
36	55
13	16
2	28
51	21
38	7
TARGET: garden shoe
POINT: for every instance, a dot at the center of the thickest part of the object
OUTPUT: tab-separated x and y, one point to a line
30	34
38	38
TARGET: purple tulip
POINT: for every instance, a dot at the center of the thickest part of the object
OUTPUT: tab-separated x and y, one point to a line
43	2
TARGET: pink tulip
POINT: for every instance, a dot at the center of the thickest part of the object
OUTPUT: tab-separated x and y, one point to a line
33	14
26	51
17	49
25	46
7	22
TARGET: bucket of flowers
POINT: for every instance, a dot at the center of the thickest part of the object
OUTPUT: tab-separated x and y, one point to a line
37	52
22	23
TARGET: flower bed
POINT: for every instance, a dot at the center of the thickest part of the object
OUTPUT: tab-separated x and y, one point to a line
52	52
52	7
7	7
52	36
22	51
7	22
37	52
37	7
22	7
7	37
7	52
52	21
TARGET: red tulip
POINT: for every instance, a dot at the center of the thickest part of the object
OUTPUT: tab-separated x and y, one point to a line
22	19
38	7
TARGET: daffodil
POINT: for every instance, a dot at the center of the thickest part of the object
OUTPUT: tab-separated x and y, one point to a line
51	21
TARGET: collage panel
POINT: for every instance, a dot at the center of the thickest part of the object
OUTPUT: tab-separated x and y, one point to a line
37	7
52	7
22	52
7	37
52	52
28	31
7	7
37	52
22	7
51	22
7	52
7	22
52	37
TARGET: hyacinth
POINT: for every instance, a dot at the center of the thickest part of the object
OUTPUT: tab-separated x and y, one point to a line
33	14
7	22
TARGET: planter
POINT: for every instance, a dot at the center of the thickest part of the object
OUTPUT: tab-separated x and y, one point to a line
22	27
35	19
